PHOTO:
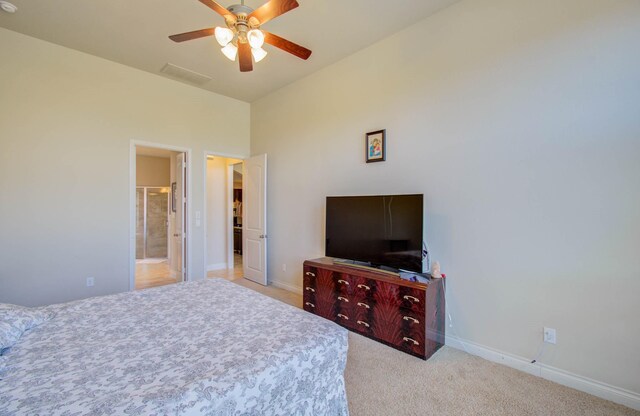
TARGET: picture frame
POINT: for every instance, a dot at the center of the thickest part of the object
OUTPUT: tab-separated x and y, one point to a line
173	196
375	146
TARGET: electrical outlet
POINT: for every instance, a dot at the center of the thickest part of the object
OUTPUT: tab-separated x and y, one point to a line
549	335
90	281
284	267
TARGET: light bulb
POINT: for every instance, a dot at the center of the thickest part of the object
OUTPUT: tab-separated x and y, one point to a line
255	38
258	54
230	51
224	35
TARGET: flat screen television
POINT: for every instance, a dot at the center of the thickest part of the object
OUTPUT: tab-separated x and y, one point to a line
382	230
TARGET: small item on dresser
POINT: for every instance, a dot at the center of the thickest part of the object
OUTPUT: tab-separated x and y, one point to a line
414	277
435	270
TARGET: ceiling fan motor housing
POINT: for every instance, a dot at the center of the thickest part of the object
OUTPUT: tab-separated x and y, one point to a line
238	9
242	23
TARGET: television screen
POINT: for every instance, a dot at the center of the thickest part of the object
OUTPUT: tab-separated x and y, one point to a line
384	230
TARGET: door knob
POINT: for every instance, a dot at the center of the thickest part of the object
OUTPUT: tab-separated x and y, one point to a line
263	236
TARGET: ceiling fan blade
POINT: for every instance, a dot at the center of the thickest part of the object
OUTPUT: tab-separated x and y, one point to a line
216	7
273	8
192	35
244	53
286	45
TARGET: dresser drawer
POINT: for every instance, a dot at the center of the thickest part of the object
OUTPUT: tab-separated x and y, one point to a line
309	286
309	305
402	328
362	288
334	307
363	327
389	294
309	273
413	330
370	302
399	296
414	346
343	284
412	334
309	289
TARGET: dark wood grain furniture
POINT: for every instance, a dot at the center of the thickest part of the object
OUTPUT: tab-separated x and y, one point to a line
405	315
237	240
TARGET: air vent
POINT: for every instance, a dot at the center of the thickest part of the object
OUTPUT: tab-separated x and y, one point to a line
184	74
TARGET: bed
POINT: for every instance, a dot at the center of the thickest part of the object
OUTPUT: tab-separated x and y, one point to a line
207	347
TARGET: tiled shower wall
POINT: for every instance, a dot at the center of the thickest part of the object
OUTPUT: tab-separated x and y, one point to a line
157	210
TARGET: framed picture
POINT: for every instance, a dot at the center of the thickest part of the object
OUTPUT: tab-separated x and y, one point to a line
375	146
173	197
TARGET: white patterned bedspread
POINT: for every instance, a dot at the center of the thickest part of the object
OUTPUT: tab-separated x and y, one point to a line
207	347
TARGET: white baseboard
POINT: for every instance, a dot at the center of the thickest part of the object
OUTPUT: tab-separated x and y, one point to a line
587	385
217	266
286	286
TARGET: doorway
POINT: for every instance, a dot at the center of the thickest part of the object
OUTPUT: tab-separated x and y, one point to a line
236	221
224	215
160	180
236	217
152	223
152	237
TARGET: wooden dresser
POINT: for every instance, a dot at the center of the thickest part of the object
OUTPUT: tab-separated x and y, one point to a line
405	315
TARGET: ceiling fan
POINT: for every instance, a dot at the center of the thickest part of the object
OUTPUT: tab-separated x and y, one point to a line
243	37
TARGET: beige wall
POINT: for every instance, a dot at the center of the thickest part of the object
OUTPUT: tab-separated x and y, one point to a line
520	123
153	171
68	120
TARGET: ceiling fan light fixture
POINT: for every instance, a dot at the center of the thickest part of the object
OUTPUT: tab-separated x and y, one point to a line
230	51
255	38
223	35
242	39
258	54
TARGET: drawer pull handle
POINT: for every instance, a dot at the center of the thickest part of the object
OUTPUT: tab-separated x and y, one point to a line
363	323
411	298
343	299
310	304
344	282
365	287
343	316
310	274
409	318
407	339
364	305
310	289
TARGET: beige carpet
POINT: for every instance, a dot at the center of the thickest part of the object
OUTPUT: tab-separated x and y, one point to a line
383	381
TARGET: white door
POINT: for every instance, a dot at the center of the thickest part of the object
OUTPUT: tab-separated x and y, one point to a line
254	219
179	233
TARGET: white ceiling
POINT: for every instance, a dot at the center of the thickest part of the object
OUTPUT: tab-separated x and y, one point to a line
134	33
